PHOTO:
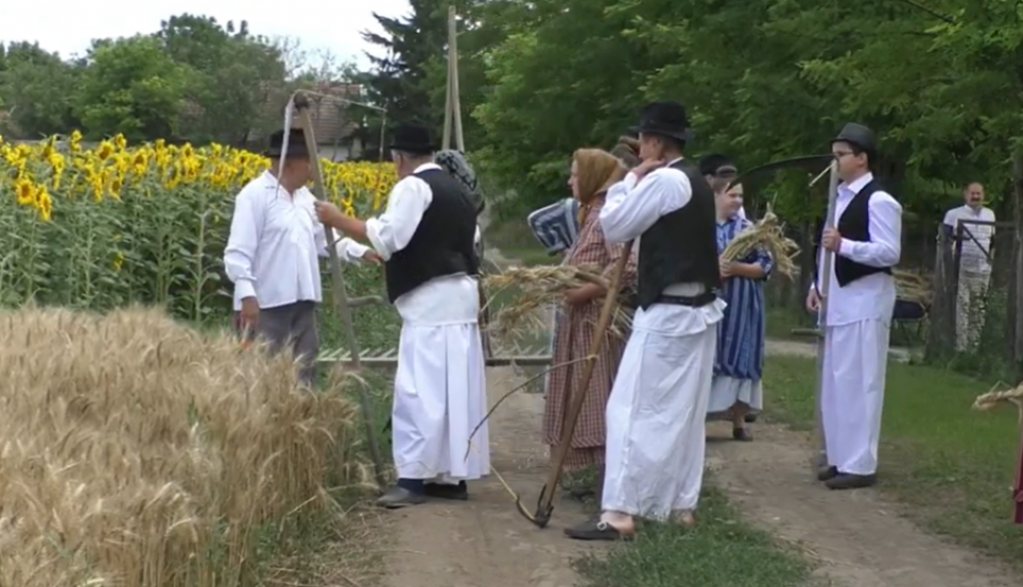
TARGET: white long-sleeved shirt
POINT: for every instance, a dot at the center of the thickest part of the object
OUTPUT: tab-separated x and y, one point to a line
451	299
275	243
976	237
871	297
631	208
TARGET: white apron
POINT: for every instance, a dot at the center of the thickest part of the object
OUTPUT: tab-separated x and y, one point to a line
656	415
440	387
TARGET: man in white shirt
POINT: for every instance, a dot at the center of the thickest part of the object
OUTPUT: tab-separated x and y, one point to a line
974	261
426	237
658	405
867	244
273	251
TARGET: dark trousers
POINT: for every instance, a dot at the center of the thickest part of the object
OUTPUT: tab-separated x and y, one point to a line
293	325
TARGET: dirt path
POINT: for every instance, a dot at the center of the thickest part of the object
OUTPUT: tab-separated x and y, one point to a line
485	542
857	536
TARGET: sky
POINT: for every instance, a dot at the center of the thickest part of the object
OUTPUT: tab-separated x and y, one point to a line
68	26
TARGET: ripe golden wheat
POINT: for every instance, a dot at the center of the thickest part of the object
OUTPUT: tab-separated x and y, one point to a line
138	452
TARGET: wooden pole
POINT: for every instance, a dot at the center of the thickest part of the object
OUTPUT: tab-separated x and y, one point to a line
338	289
446	142
453	88
822	315
578	394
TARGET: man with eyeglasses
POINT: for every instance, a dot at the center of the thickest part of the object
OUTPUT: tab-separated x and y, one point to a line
866	242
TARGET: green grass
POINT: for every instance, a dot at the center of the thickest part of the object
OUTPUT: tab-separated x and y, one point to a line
950	466
721	551
514	239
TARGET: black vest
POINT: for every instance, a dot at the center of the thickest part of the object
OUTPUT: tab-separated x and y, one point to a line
443	243
681	247
854	224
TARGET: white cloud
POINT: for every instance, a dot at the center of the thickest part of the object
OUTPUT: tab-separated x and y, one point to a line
68	26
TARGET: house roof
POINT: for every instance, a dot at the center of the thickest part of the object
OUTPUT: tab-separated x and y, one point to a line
328	110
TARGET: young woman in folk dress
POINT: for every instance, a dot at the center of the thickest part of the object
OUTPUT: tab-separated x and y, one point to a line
593	172
739	362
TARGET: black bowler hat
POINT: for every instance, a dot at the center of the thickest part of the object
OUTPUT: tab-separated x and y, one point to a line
666	118
296	144
412	137
859	136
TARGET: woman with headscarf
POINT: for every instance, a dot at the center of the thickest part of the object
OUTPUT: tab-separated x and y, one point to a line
593	172
736	391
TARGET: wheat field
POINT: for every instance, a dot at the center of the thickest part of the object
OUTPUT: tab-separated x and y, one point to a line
135	451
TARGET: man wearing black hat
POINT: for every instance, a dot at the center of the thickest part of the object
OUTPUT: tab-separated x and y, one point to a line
867	244
658	405
272	253
427	238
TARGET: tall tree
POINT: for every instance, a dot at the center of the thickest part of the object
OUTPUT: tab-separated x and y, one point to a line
36	88
398	80
131	87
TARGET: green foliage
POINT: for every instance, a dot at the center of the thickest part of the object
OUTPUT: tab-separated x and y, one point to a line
194	79
763	80
131	87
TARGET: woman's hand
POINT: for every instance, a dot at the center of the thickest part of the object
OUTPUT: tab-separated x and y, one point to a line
581	295
726	268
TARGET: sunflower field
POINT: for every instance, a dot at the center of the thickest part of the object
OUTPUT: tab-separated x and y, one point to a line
98	228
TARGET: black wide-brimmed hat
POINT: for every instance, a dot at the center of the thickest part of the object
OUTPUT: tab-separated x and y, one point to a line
412	137
858	135
296	144
666	118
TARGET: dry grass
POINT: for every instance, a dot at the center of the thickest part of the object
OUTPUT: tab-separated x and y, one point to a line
992	399
767	234
912	286
535	288
138	452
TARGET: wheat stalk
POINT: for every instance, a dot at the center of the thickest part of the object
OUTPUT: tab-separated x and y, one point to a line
768	234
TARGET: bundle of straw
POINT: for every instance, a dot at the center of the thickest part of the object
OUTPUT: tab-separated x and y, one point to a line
912	287
993	399
533	289
767	233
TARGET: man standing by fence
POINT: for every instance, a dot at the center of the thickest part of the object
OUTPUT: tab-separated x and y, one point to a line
974	261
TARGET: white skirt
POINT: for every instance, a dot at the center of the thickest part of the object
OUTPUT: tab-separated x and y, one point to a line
439	397
725	391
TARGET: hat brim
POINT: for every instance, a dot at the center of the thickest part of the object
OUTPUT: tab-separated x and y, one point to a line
870	150
685	136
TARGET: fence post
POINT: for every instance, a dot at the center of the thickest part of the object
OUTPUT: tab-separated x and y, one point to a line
941	340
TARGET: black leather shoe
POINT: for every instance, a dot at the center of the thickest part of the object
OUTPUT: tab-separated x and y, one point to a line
442	491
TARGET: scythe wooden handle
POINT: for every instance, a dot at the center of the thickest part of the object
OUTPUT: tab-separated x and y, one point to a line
340	293
579	395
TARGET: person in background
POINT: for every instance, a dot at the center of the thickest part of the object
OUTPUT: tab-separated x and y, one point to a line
593	172
739	362
427	238
974	262
627	151
867	244
272	254
715	167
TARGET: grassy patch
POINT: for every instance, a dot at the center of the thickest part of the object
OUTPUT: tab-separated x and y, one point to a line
721	551
951	466
514	239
